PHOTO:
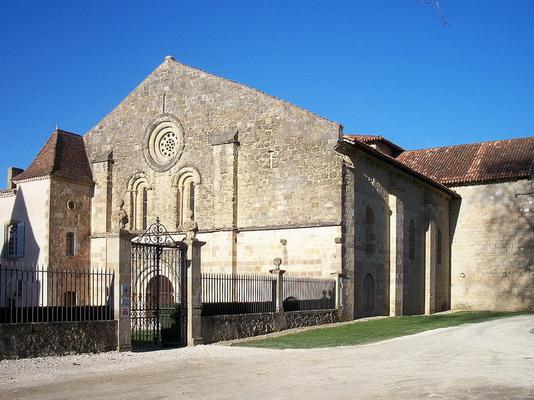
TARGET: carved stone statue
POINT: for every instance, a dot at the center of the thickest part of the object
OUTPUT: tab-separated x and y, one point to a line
189	226
121	218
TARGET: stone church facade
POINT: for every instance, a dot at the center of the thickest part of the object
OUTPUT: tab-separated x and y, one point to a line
265	179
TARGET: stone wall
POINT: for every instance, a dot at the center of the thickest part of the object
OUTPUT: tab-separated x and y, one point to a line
56	338
379	203
493	247
263	165
76	220
229	327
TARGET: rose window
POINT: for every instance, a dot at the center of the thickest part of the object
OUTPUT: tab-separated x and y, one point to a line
167	144
164	142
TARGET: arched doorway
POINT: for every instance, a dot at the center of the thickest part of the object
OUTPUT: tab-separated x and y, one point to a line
159	292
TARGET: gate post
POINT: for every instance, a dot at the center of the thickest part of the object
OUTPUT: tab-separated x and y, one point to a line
118	259
194	291
279	275
338	289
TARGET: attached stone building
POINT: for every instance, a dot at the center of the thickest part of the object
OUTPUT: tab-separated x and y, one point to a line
265	179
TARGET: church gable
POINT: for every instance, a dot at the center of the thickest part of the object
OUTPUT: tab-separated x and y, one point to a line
174	119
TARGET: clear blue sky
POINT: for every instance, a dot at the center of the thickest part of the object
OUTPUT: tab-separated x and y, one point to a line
377	66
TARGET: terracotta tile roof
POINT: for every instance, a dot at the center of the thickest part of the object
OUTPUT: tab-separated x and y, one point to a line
474	163
63	156
363	138
401	166
372	139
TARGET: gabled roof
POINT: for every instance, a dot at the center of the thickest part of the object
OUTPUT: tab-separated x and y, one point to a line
474	163
401	166
63	156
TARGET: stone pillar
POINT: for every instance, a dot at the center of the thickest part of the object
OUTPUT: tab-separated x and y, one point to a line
430	267
118	260
396	254
338	288
225	162
279	275
194	291
101	207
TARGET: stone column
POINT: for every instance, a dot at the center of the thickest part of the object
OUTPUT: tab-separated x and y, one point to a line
338	288
279	275
118	259
194	291
430	267
396	254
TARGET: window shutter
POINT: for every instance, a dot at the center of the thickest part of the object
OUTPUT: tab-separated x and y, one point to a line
20	239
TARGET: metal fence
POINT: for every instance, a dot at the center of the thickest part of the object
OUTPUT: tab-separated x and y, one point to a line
237	293
51	295
308	294
247	293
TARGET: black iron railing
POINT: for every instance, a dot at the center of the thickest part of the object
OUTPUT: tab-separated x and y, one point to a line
237	293
52	295
247	293
301	294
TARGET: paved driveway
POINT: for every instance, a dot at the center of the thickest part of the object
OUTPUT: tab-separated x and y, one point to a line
490	360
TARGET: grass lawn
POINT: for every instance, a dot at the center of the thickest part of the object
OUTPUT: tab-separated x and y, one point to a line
372	330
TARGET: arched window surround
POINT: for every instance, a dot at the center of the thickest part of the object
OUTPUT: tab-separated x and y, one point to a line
186	182
138	188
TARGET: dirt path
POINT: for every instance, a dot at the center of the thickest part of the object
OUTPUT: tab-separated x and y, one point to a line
490	360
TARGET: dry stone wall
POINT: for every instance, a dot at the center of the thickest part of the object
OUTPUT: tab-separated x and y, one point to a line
56	338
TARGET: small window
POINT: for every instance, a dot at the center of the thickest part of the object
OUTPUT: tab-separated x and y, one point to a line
12	240
438	247
192	199
70	244
411	241
71	205
186	201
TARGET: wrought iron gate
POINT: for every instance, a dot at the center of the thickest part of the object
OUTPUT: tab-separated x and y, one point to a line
158	309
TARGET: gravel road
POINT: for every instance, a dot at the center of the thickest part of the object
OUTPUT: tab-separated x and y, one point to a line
489	360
